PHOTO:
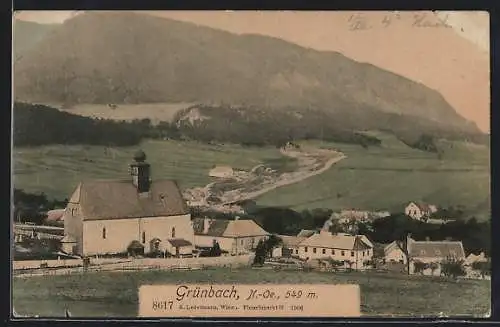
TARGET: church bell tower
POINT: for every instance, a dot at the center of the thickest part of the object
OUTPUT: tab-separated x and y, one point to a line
140	171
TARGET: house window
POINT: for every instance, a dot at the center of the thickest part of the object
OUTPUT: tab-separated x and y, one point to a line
104	233
296	251
363	253
333	251
352	253
241	242
305	249
314	250
342	253
173	232
143	237
73	211
324	251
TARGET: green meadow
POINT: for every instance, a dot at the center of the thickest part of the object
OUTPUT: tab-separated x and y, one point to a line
386	177
114	294
56	170
377	178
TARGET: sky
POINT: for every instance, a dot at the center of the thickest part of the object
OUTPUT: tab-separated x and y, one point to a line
446	51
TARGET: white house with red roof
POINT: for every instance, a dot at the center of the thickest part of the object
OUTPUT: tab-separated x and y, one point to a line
237	236
433	253
356	250
419	210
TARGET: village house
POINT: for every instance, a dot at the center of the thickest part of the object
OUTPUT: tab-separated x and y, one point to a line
420	210
221	172
393	253
356	251
237	236
433	254
109	216
55	216
472	258
290	245
469	263
347	216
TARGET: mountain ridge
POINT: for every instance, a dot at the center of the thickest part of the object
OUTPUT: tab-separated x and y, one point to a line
193	63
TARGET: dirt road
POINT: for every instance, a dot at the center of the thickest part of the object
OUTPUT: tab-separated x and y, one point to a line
249	185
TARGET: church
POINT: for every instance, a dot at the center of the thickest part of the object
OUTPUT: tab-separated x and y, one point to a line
137	213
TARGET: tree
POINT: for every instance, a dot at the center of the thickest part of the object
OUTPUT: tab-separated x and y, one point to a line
453	268
403	246
215	250
419	267
270	243
260	254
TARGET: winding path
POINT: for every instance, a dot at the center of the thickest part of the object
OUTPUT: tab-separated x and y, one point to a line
289	178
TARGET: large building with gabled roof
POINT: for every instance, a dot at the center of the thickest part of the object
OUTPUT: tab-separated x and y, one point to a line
354	250
107	216
234	236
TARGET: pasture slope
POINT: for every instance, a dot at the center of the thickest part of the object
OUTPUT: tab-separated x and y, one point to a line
156	112
386	177
56	170
378	178
114	294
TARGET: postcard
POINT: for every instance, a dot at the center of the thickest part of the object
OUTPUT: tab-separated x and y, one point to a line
251	164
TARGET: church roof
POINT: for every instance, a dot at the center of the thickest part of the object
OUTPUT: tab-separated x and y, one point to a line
119	199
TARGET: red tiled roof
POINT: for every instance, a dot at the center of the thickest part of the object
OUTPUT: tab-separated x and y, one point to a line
436	249
118	199
179	242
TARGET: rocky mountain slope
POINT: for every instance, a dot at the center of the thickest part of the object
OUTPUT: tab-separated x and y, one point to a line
104	57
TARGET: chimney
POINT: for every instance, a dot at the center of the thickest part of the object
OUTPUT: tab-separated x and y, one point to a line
206	224
140	172
427	238
325	232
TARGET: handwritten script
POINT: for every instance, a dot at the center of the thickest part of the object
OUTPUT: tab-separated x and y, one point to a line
202	300
361	21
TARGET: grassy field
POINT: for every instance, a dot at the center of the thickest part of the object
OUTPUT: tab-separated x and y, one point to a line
386	178
114	294
56	170
156	112
382	178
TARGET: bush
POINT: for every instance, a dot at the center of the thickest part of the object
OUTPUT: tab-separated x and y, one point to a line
453	268
419	267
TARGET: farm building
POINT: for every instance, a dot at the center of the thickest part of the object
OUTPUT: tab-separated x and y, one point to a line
290	245
55	215
420	210
221	172
355	250
394	253
432	254
109	216
234	236
472	258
